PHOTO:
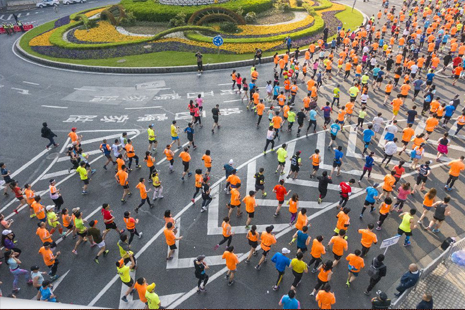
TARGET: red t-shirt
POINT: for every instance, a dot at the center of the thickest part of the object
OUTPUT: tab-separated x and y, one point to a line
280	192
18	193
345	189
107	215
399	171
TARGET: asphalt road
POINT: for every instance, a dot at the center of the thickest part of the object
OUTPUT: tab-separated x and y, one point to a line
106	105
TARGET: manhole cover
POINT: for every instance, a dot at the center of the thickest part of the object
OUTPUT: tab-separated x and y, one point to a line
53	155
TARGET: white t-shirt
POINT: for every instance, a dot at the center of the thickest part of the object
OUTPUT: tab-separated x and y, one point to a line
414	69
270	134
116	148
391	129
364	98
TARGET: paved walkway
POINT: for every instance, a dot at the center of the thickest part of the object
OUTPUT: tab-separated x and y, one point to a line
446	284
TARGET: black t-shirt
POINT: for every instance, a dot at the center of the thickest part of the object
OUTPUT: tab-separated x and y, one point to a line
411	115
199	269
300	117
95	233
323	182
259	178
215	112
205	190
389	63
376	303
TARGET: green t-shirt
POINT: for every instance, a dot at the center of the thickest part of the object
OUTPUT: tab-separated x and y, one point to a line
365	79
298	266
336	92
353	91
80	225
362	114
282	153
291	116
152	299
151	134
405	225
123	272
82	173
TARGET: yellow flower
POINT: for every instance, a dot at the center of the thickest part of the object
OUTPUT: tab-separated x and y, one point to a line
277	29
43	39
104	32
93	12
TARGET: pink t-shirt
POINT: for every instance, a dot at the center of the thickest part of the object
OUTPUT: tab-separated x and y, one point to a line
199	101
402	195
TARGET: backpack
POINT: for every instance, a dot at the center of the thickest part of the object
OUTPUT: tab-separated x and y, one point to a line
373	272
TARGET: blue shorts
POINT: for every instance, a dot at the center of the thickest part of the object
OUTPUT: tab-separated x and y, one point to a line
340	122
389	136
174	138
427	208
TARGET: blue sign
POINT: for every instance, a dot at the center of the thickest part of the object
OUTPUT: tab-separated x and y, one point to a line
218	40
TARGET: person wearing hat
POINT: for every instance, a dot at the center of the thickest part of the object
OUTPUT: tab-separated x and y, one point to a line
47	133
97	237
153	301
8	241
381	301
281	262
125	276
152	138
200	267
228	168
53	221
75	139
37	276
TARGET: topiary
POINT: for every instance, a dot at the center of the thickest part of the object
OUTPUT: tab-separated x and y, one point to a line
228	27
129	19
178	20
250	17
240	11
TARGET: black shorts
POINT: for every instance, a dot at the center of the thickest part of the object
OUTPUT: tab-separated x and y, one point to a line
281	163
452	177
186	165
387	93
315	168
280	202
367	203
152	141
70	226
265	253
302	249
379	80
429	132
233	206
126	186
82	234
215	119
259	187
253	244
400	232
429	82
108	156
333	137
130	283
251	214
337	257
386	191
86	181
209	169
328	70
335	164
20	198
110	225
295	168
403	96
173	247
405	142
421	178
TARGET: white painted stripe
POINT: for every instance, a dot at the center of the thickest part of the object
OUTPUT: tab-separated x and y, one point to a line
353	172
55	174
213	210
31	83
85	89
29	163
213	260
143	108
204	114
352	143
320	145
301	204
251	170
10	16
225	84
167	299
54	107
290	152
232	100
420	128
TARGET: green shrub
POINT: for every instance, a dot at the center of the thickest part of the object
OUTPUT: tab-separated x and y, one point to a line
251	17
128	20
240	11
299	3
282	6
179	20
228	27
152	11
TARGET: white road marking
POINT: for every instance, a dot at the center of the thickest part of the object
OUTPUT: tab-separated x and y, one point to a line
21	91
55	174
290	152
231	100
251	170
31	83
302	204
143	108
54	107
56	283
225	84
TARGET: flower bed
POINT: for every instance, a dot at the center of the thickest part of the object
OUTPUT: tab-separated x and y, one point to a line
252	30
104	32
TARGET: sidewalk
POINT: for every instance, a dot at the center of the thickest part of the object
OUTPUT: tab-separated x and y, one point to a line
446	284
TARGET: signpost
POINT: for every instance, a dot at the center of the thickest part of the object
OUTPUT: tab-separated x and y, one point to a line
218	41
389	242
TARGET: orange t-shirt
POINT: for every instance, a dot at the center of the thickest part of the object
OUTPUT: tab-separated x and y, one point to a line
249	202
396	103
408	134
39	210
277	122
389	88
167	154
207	160
141	290
325	299
233	179
73	136
235	197
389	181
340	116
130	150
169	236
356	262
318	249
267	240
150	161
349	107
198	180
186	157
404	89
260	108
431	123
47	255
231	260
122	177
384	208
455	167
342	220
302	221
292	206
44	235
143	190
427	201
368	237
339	245
252	237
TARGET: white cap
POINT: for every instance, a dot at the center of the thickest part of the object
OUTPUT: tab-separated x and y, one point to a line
231	161
6	232
48	208
285	251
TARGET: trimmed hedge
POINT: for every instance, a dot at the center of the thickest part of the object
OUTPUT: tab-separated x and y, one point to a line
34	32
156	12
57	37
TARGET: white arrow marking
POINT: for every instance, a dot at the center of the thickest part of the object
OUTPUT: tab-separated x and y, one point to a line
21	91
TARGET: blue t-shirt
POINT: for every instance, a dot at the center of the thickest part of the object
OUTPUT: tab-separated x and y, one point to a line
281	261
375	71
449	110
371	194
312	115
380	74
106	151
445	38
334	129
327	111
337	156
276	90
289	303
417	84
251	86
430	76
369	161
189	131
228	168
367	135
301	239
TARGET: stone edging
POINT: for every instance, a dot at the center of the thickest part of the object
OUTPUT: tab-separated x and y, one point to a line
174	69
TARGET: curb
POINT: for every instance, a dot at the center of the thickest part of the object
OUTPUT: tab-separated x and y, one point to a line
143	70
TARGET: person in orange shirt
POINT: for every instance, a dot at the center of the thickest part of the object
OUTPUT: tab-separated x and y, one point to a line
267	241
318	249
341	116
122	179
456	166
339	245
428	201
186	158
50	260
324	276
356	263
277	122
282	64
457	72
404	89
170	239
150	163
389	181
231	262
39	209
227	233
130	226
132	155
396	104
384	210
368	238
250	205
431	123
44	234
349	110
281	99
260	109
325	298
141	288
207	160
407	135
143	195
75	139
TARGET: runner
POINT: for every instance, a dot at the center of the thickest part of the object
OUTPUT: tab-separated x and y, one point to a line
122	178
267	240
384	209
106	150
39	209
170	239
131	226
423	172
282	155
324	276
109	220
83	174
186	158
407	225
132	155
175	134
231	262
456	166
94	232
169	156
333	130
252	237
356	263
293	207
227	233
428	201
407	135
198	183
250	205
281	262
260	182
153	143
207	160
368	238
370	199
235	201
270	136
323	182
53	222
123	272
216	113
150	164
345	192
55	195
369	163
68	222
81	231
288	301
281	193
316	159
157	187
189	130
50	259
30	194
18	194
441	210
339	245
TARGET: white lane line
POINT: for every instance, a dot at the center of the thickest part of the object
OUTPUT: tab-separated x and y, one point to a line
225	84
143	108
54	107
31	83
232	100
290	152
28	163
352	142
251	170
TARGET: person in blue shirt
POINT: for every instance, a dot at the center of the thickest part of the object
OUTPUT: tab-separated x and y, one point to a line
337	160
327	114
448	112
281	262
276	91
368	134
312	120
429	79
189	130
302	239
369	162
289	302
333	130
370	199
45	292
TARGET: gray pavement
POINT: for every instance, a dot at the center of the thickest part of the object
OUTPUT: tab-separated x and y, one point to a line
105	105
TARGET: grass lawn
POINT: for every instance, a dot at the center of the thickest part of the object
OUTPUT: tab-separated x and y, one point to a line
351	20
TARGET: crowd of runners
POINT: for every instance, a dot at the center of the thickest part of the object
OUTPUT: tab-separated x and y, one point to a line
398	52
